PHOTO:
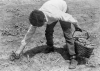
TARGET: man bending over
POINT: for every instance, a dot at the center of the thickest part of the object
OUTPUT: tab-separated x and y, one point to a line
50	13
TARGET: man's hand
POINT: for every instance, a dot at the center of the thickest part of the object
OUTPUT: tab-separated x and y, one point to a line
14	56
78	29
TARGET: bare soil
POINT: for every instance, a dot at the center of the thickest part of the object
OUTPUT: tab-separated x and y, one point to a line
14	24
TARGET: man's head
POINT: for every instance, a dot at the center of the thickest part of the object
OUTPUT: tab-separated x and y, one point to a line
37	18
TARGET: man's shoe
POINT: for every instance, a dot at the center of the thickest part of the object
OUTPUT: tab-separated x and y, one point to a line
49	49
73	63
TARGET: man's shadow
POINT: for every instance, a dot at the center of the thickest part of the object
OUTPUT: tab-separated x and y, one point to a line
41	49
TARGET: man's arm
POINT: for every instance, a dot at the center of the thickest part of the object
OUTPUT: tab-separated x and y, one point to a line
75	23
69	18
26	39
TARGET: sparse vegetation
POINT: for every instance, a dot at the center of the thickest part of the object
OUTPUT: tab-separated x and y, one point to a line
14	24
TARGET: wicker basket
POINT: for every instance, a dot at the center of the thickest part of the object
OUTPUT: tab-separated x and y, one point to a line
82	50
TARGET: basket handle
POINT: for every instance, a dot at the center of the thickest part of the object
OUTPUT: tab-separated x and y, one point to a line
87	34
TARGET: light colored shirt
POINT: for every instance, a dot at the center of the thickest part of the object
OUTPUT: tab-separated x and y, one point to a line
56	10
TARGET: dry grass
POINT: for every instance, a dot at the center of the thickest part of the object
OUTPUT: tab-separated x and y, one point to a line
14	24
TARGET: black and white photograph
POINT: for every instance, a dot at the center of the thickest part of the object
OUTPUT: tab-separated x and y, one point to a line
49	35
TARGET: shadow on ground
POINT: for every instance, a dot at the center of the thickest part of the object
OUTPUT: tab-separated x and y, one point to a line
63	51
41	49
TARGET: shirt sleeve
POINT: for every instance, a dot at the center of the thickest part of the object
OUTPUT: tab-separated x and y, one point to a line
68	18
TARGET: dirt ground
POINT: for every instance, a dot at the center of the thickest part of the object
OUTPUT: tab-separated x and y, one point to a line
14	24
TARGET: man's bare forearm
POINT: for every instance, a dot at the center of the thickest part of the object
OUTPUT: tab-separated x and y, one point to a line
29	34
27	38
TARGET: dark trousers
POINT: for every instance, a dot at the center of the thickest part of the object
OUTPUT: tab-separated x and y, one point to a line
68	30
